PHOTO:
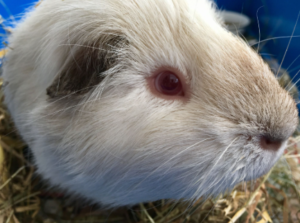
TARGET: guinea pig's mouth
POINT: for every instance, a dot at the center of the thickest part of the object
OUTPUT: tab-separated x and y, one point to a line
261	153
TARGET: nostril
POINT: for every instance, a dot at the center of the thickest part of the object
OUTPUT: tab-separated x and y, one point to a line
269	143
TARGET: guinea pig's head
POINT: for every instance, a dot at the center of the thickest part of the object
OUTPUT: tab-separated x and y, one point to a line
154	100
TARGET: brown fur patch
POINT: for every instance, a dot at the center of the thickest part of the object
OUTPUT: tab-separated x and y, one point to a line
84	67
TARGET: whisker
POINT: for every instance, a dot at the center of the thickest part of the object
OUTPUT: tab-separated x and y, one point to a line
259	34
272	32
290	82
288	44
287	69
217	161
160	166
295	82
296	68
274	38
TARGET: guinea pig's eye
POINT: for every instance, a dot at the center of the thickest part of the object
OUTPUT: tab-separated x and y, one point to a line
168	83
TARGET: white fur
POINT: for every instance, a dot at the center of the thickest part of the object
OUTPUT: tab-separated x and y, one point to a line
121	144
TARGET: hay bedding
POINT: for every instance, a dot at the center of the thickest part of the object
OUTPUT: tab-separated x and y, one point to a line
24	199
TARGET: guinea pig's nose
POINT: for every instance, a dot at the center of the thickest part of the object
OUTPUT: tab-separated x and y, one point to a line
270	143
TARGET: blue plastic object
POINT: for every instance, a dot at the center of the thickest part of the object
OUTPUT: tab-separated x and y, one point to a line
14	7
12	10
277	20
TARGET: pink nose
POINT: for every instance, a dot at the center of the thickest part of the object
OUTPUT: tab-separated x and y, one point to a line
269	143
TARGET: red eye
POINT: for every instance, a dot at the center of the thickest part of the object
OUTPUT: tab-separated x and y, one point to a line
168	83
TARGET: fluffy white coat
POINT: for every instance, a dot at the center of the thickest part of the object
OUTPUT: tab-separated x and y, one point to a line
120	144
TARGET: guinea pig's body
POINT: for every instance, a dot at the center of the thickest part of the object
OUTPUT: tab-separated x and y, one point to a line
84	89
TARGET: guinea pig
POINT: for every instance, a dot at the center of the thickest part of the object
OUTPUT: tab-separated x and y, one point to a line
133	101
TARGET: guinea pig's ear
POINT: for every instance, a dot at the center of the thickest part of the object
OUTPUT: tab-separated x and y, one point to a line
83	68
